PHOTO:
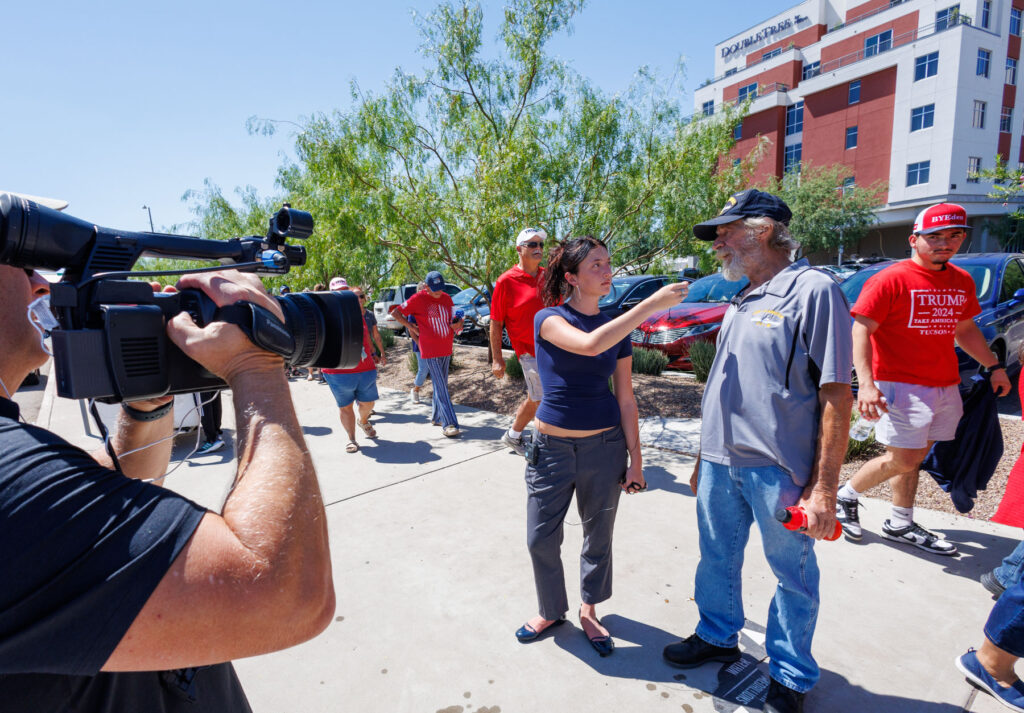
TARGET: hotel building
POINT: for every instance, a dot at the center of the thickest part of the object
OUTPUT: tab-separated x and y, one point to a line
917	93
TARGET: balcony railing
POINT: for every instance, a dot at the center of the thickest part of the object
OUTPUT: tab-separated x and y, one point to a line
898	41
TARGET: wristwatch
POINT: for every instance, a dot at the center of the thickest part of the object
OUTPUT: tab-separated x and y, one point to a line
994	367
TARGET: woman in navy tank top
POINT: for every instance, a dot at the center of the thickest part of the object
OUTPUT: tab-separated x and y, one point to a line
586	438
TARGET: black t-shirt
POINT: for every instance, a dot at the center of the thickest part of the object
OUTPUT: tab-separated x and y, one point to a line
82	548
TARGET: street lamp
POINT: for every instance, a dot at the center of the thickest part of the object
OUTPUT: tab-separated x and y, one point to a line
151	228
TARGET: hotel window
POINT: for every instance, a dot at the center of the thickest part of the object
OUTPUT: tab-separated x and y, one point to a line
812	69
947	18
1011	71
848	185
917	173
750	90
851	137
922	117
1006	119
708	108
878	43
986	13
773	53
735	162
854	93
984	60
791	159
1015	21
926	66
737	133
973	168
978	117
795	118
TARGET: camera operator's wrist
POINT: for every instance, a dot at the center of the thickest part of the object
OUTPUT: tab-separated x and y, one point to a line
144	415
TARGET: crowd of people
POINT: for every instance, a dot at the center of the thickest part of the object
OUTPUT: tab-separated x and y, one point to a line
151	612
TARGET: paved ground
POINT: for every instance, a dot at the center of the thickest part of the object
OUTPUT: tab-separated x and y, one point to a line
433	578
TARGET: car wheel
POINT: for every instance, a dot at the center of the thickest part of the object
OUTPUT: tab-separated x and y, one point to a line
505	341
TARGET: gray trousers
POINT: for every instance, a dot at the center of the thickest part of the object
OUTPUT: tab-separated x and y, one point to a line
592	467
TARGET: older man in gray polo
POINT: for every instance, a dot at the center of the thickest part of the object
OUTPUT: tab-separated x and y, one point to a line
776	416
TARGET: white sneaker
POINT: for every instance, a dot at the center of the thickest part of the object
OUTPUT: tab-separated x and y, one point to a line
415	395
919	537
516	444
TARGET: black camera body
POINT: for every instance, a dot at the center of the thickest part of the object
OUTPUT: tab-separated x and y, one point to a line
112	342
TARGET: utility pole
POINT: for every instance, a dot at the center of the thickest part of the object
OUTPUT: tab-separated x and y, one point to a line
151	228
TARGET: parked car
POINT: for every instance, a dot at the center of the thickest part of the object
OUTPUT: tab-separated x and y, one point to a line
484	320
999	279
630	290
696	318
474	303
396	295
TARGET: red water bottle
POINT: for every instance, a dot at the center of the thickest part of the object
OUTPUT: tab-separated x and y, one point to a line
794	518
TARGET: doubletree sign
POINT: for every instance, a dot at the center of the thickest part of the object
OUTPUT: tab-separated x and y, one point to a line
763	34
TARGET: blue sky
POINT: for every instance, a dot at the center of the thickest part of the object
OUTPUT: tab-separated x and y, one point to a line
112	105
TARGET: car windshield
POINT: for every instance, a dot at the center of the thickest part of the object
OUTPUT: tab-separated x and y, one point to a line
982	275
470	295
466	296
714	288
619	288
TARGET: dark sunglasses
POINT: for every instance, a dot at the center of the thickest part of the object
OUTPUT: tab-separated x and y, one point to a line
533	244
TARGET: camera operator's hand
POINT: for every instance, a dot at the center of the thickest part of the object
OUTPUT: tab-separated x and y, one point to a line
221	347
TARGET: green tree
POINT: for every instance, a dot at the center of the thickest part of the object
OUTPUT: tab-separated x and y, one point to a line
442	170
827	214
1007	188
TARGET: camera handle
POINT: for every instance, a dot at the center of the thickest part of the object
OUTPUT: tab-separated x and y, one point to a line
260	325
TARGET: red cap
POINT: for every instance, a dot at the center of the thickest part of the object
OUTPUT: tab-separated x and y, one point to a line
939	217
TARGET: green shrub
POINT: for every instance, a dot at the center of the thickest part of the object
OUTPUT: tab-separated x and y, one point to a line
701	356
513	368
387	338
649	361
455	364
858	450
412	362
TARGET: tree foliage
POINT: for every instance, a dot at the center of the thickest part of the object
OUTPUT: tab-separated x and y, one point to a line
442	170
825	214
1007	188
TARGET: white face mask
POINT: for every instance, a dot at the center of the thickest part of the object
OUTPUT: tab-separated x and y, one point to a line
41	317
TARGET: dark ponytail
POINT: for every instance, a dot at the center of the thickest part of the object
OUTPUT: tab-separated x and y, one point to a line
564	257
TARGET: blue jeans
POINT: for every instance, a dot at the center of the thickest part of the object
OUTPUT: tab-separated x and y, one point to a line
1010	571
729	500
1005	625
421	371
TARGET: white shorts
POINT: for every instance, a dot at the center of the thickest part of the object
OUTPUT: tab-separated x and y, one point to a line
533	388
918	414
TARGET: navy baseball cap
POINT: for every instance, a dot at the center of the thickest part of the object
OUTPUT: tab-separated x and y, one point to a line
750	203
434	280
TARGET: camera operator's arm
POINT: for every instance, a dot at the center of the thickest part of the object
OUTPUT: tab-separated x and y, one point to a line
130	433
258	577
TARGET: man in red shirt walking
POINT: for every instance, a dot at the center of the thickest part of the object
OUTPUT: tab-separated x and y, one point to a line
434	331
515	302
905	323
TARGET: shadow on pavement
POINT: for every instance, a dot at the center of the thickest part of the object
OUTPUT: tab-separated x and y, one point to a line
660	479
317	431
384	451
978	552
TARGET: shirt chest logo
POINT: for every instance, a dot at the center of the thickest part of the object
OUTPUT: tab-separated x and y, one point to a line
767	318
936	311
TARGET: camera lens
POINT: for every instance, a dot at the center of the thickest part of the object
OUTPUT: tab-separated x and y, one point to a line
327	327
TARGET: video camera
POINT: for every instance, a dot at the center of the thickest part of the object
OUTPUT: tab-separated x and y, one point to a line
112	342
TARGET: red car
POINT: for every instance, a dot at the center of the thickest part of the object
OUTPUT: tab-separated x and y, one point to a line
697	318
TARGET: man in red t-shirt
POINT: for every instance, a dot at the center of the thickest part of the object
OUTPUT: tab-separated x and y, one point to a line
356	385
434	332
905	323
515	302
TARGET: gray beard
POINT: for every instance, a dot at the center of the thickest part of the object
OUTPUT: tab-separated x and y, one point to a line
733	270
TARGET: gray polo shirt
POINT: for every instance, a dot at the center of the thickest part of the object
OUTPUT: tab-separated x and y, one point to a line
778	344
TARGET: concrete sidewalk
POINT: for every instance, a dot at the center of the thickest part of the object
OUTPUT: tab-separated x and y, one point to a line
433	578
